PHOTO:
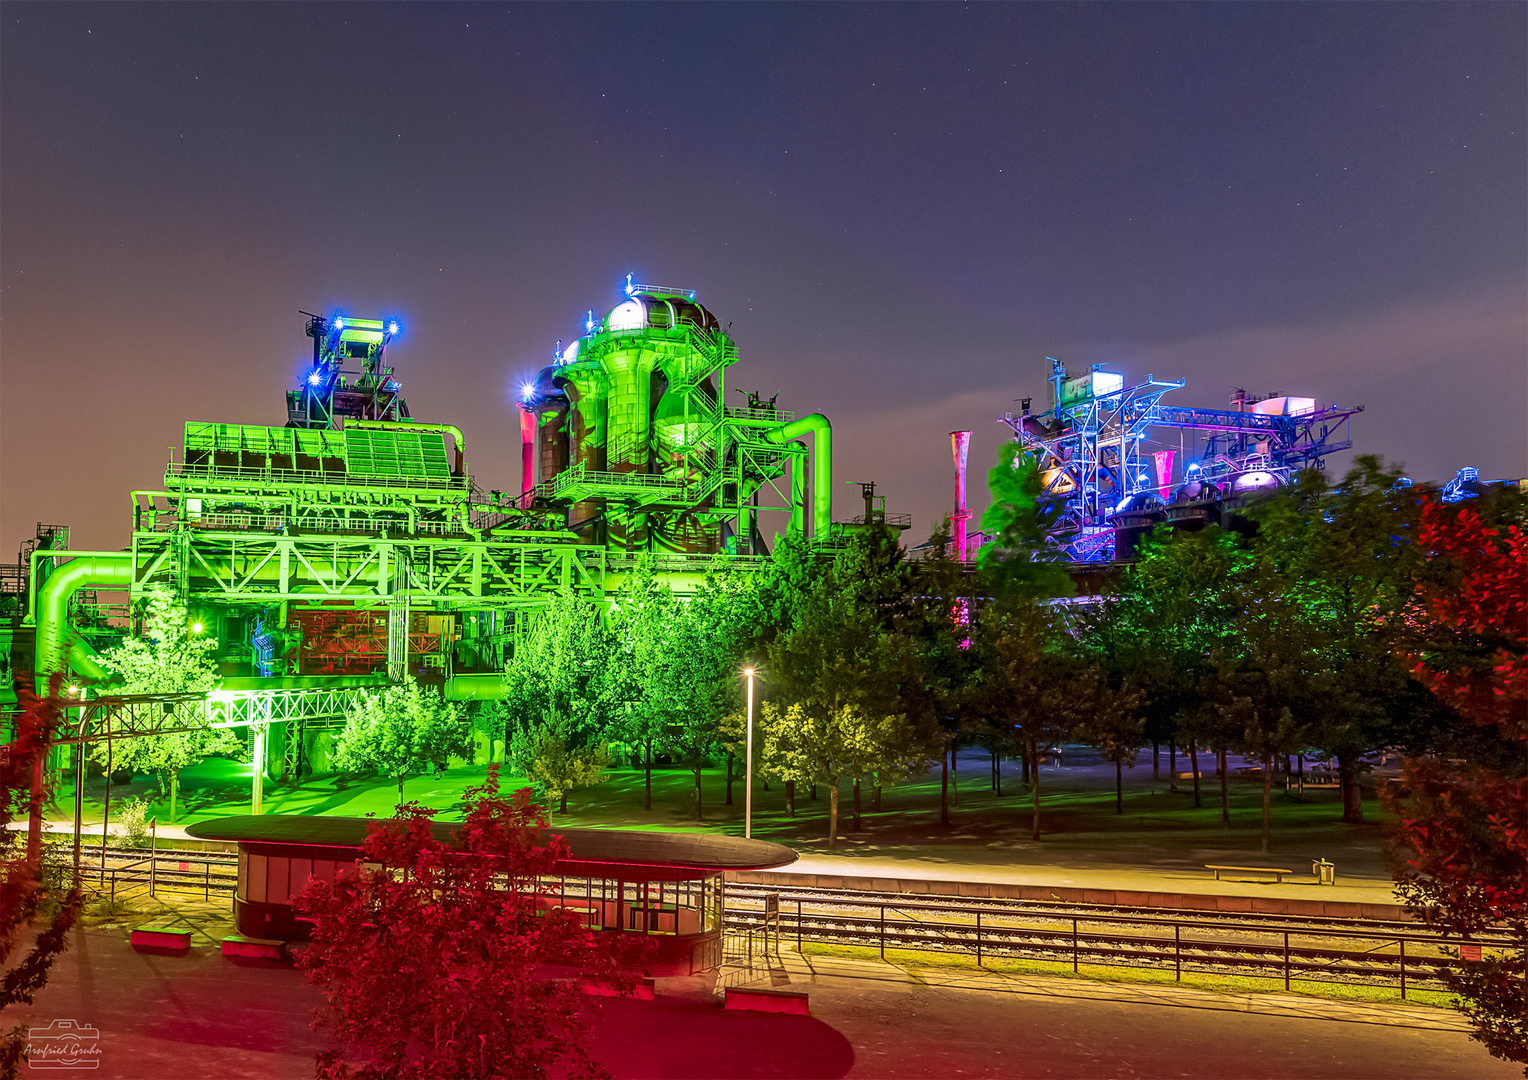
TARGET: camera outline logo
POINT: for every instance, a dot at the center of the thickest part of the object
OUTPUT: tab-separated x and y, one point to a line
64	1044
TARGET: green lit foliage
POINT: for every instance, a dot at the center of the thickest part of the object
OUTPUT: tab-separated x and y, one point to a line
1017	560
1343	560
25	960
843	674
418	988
401	730
559	693
167	658
1030	679
553	767
680	663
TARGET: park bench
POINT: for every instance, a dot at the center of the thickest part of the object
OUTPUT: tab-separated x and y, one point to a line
171	938
254	948
1278	875
760	999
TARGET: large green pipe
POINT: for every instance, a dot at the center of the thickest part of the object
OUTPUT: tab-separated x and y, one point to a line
822	468
100	570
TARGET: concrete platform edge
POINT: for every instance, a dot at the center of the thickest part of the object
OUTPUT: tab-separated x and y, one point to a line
1001	890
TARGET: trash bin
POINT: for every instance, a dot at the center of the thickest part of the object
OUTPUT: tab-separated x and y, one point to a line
1326	873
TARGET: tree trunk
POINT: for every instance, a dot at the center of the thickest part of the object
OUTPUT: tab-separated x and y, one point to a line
1119	785
790	798
1193	757
647	802
812	791
856	804
1300	758
400	789
1267	799
729	778
698	816
954	781
832	815
1034	790
562	802
944	789
174	791
1156	761
1352	794
997	774
1225	796
875	798
1172	764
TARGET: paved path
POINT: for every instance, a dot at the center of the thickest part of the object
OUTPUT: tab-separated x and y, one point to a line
200	1015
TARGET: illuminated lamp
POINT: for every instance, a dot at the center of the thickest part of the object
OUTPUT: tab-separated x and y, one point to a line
527	391
589	322
315	378
197	628
339	322
392	327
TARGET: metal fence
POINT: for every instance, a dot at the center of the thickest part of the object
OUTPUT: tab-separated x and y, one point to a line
127	872
1361	954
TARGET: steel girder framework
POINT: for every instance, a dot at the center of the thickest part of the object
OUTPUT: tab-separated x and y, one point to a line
441	573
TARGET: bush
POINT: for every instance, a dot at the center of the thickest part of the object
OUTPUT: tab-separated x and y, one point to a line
133	823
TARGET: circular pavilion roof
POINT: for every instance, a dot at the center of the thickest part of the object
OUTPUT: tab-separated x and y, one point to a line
624	847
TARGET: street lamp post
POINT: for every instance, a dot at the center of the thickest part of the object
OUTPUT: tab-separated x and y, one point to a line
748	780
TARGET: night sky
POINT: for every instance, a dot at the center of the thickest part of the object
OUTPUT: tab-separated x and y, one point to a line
900	209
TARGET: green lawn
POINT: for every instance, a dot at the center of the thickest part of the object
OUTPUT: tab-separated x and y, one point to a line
1158	828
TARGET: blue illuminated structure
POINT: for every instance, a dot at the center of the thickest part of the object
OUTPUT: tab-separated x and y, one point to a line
1105	465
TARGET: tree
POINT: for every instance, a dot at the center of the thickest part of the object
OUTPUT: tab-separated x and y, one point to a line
1030	676
1462	836
24	971
1343	561
400	730
560	693
167	658
555	768
432	951
1115	728
1018	560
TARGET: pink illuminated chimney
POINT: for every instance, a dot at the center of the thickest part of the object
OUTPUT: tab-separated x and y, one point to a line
960	443
527	454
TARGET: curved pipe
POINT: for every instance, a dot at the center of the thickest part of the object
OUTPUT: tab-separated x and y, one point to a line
822	468
409	425
101	570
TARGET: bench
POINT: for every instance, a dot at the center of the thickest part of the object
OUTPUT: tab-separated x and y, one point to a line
757	999
1278	875
254	948
169	938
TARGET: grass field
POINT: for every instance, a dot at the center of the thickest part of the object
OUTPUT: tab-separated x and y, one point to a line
1159	828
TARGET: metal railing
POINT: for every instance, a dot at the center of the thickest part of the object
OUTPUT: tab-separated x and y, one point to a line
128	872
217	474
1369	953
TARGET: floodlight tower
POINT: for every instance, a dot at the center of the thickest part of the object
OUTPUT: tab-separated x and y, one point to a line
330	394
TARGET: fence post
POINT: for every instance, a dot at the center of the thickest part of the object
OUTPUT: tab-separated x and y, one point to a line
1286	959
978	939
1074	945
1403	969
1177	952
798	924
883	931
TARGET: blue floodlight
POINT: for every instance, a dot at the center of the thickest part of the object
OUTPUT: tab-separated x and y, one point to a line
527	391
315	378
589	322
630	288
392	327
339	322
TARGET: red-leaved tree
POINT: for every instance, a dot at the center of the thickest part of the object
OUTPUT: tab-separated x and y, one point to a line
1463	824
438	960
22	893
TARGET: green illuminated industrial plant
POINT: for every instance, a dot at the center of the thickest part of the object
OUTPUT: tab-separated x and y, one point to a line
354	546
